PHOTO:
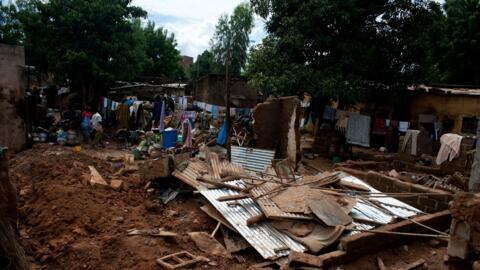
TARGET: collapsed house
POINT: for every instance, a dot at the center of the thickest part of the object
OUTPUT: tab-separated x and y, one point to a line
285	216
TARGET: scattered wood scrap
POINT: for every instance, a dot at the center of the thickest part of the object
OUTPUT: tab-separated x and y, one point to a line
381	265
206	243
152	232
179	260
96	179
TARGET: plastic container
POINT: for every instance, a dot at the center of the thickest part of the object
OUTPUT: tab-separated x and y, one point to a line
169	138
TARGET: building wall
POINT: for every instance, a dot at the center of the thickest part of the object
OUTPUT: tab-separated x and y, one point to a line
211	90
454	106
12	85
186	62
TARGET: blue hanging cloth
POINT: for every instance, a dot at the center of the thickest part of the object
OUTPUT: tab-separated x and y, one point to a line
222	135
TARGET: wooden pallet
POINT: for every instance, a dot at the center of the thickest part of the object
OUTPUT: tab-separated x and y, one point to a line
178	260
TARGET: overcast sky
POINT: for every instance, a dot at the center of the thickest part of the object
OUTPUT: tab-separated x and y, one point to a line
193	21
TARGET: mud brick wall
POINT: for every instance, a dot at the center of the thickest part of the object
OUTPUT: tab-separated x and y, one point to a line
276	127
12	131
426	203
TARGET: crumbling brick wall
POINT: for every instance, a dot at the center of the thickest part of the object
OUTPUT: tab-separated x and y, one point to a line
12	131
276	127
428	203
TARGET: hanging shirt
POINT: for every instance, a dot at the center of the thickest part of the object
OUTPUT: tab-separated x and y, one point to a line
97	121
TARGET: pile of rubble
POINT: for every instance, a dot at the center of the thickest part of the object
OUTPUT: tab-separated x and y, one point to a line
284	216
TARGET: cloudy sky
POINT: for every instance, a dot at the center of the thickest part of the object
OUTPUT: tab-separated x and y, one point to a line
193	21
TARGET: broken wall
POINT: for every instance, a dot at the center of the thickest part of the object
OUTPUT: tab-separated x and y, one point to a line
276	127
428	203
12	133
211	90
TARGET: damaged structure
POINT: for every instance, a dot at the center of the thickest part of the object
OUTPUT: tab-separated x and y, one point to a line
12	97
290	218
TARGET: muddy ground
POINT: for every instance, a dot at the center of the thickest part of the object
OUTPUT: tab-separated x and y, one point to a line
67	224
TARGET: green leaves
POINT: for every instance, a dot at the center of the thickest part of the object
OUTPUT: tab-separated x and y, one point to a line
89	44
162	55
232	33
352	49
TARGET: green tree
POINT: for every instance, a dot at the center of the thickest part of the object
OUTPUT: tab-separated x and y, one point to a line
461	50
10	27
85	44
163	58
205	64
353	49
232	34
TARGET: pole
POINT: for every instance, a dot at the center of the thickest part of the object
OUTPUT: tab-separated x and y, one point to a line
474	183
227	101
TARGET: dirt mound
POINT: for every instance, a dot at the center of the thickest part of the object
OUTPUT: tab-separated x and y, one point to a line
67	224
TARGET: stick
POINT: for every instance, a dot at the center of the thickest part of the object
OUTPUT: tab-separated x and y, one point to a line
413	265
381	265
232	197
386	194
401	233
256	219
219	184
216	229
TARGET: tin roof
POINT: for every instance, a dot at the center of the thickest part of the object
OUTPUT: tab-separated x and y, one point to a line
447	89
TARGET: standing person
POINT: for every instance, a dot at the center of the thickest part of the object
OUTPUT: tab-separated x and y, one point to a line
98	129
86	124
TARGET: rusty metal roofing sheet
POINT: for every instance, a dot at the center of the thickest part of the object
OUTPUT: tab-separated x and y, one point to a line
190	174
252	159
270	208
267	240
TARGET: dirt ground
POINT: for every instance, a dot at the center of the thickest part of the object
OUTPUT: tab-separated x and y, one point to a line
67	224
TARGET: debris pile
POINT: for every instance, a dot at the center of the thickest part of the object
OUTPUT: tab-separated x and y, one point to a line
279	213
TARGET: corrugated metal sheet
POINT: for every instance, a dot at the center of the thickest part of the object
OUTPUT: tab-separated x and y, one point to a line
268	241
252	159
392	207
190	174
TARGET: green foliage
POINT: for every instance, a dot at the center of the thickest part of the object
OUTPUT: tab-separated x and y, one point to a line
204	65
89	44
10	29
461	51
350	48
232	34
86	44
162	55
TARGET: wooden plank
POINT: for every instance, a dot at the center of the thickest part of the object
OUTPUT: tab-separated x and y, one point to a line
381	265
219	184
298	259
361	243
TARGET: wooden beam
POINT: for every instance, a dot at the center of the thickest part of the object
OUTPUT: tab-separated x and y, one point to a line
361	243
299	259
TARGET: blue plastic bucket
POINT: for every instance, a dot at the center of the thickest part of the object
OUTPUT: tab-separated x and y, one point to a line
169	138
